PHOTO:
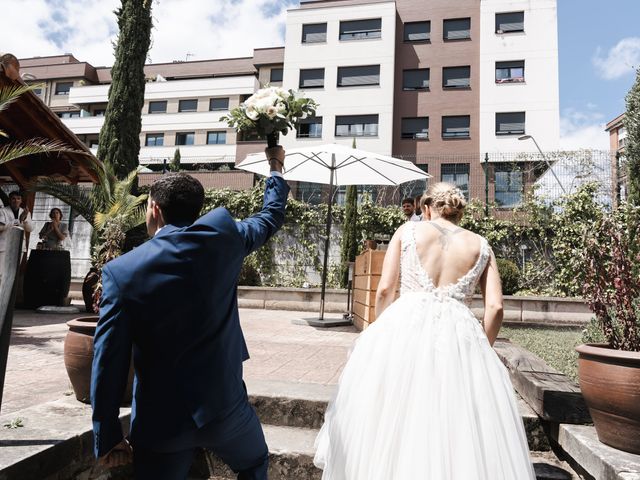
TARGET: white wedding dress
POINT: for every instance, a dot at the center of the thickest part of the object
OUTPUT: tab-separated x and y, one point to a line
423	395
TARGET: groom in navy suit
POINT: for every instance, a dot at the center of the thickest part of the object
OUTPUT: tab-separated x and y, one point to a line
173	303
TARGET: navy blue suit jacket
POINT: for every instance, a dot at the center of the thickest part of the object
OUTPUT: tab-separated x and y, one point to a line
173	302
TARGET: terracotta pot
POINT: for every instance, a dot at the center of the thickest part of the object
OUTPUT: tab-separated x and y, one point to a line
78	356
610	384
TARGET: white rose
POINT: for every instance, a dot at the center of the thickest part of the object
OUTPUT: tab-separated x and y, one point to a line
251	99
272	112
252	113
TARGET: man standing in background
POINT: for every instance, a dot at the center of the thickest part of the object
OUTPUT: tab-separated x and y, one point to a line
13	215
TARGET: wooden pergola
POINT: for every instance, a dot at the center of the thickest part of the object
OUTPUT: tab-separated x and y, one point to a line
29	118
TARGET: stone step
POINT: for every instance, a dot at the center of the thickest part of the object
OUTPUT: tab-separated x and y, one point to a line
303	405
291	454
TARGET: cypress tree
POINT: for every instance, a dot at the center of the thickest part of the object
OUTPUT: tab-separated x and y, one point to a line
349	242
120	135
632	148
175	163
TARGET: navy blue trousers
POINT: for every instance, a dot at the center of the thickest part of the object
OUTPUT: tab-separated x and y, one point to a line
238	440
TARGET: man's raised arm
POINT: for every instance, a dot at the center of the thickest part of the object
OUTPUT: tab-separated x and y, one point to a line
258	228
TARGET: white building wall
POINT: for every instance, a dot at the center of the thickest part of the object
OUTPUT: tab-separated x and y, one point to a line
538	96
334	53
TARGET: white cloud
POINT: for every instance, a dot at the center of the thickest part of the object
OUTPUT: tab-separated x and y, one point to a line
206	29
580	130
621	60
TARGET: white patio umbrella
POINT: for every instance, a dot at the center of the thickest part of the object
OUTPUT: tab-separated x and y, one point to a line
337	165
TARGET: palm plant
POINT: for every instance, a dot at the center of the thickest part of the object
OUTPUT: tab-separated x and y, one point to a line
12	150
109	206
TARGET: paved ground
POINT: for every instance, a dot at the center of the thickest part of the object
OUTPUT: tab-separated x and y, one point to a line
279	351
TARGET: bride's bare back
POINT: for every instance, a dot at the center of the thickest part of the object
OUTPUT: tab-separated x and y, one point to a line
446	251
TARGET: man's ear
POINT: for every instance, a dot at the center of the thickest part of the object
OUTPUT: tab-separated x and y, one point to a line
157	214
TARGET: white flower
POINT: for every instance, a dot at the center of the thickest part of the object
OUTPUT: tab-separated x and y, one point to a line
272	111
252	113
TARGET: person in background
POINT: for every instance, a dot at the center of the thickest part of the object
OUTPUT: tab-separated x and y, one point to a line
408	208
13	215
54	233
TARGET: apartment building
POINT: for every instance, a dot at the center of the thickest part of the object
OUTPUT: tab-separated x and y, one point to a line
617	142
182	106
452	86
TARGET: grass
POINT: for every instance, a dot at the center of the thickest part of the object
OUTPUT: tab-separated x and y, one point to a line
556	346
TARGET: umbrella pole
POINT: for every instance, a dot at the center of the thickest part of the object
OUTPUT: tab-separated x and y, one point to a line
326	241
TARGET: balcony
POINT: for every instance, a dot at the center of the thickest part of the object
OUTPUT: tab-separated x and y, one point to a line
188	154
195	88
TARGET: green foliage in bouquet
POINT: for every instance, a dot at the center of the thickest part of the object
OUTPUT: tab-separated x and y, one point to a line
270	111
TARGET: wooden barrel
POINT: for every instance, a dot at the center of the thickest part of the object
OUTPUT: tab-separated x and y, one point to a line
48	278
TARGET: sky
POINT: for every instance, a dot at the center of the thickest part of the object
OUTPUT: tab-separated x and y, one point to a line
599	44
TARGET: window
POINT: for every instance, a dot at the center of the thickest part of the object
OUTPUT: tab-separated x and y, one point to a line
458	174
38	91
417	79
218	104
310	127
93	143
456	77
510	22
456	126
357	126
62	88
188	105
314	33
74	114
510	123
416	128
510	72
99	112
416	187
154	140
417	31
457	29
275	75
185	138
509	185
361	29
216	138
248	136
359	76
312	78
158	107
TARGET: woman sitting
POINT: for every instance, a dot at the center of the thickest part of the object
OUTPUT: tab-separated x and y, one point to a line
54	233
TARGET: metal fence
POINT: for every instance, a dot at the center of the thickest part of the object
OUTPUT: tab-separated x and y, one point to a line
501	180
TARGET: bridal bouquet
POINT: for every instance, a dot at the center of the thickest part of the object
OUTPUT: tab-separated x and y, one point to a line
270	111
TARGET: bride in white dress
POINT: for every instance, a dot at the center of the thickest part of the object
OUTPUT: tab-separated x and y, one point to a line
423	395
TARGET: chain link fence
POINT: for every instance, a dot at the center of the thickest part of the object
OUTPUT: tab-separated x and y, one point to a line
498	180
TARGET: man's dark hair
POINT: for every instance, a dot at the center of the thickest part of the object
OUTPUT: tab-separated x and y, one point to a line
407	200
15	193
179	196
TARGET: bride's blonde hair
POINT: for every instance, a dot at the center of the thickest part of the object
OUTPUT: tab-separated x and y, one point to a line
447	199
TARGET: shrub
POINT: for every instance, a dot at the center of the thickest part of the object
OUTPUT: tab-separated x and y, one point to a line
249	275
510	276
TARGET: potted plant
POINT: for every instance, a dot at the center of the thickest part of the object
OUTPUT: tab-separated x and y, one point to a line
113	211
609	372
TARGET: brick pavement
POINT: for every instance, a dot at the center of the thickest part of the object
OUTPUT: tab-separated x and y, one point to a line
279	351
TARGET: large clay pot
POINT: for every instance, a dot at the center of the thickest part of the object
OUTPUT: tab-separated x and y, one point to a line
78	356
610	384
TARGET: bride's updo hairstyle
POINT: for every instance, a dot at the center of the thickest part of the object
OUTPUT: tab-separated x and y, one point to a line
446	199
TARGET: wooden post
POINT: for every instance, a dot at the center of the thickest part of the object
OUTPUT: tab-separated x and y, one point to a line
12	254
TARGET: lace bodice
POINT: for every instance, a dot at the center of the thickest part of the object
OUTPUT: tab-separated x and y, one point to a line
414	278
